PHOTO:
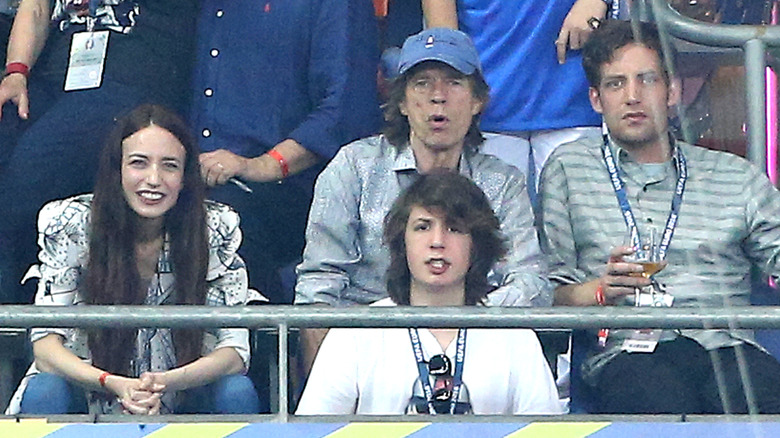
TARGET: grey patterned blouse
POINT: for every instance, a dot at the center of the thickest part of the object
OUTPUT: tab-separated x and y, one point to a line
63	236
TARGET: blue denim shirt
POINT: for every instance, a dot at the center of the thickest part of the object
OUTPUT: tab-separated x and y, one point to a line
344	261
271	70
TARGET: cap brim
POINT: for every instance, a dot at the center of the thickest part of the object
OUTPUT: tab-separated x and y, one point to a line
458	64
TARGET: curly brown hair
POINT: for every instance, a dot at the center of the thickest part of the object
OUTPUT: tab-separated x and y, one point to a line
613	35
461	202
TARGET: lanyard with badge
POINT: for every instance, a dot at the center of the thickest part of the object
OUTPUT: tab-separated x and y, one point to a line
422	368
87	55
646	340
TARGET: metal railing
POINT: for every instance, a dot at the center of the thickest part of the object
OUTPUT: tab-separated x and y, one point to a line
283	318
753	39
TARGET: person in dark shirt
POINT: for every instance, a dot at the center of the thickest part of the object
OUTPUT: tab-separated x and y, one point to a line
57	107
279	86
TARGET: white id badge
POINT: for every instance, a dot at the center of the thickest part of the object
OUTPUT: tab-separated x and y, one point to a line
87	58
642	341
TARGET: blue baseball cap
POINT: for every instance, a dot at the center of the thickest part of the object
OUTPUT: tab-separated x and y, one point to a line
442	44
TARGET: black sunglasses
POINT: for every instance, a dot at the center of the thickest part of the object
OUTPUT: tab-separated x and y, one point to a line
440	367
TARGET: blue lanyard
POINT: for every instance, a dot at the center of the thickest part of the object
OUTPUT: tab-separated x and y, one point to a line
422	368
614	9
620	192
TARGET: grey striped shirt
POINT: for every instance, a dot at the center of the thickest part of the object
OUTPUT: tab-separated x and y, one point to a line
345	261
729	221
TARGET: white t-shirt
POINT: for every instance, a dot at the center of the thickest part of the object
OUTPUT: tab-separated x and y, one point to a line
372	371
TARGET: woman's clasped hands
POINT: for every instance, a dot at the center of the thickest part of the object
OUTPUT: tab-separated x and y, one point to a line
138	396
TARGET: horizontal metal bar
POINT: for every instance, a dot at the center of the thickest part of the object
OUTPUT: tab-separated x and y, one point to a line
363	316
718	35
267	418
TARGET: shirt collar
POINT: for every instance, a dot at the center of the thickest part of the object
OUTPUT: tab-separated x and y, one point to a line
622	154
404	161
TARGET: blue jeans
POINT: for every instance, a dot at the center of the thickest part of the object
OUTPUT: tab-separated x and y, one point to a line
48	394
234	394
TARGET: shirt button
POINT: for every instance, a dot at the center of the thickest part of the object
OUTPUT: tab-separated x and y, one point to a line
206	133
214	53
220	13
208	92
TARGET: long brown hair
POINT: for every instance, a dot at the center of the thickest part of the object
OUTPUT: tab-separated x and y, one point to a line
112	276
461	202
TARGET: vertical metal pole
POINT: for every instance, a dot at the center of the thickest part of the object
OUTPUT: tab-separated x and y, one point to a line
755	84
283	416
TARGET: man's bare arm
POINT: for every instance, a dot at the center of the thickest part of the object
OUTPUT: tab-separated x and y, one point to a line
440	13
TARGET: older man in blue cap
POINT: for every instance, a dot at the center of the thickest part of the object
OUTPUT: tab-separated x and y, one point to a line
432	123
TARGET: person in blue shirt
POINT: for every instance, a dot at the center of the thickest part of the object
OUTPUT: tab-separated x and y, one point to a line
530	54
279	86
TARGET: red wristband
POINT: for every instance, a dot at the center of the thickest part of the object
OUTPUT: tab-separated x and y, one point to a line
603	333
282	162
103	377
17	67
600	295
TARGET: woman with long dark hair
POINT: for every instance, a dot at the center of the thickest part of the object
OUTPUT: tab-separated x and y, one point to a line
146	236
443	239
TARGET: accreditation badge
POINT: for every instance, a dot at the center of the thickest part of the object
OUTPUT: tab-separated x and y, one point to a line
87	59
645	341
642	341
